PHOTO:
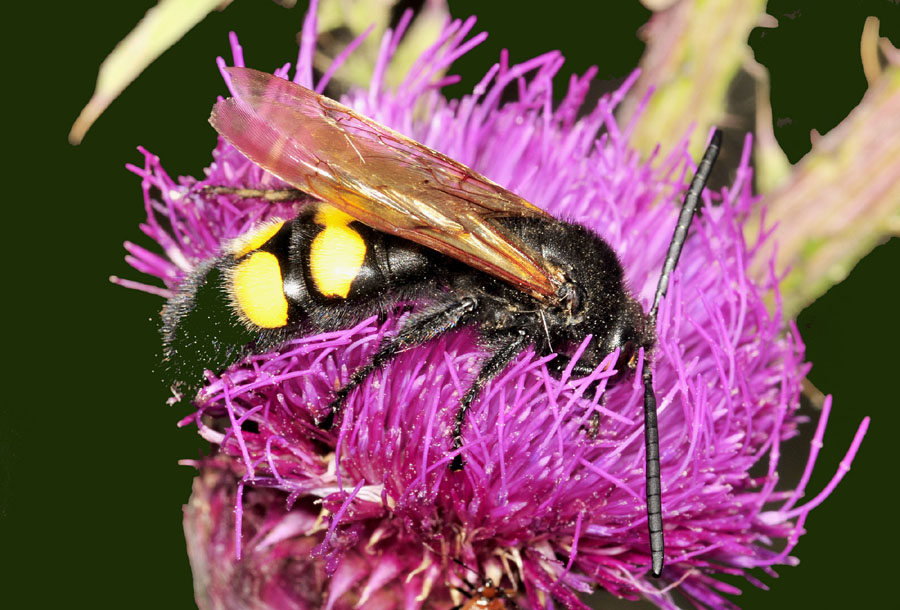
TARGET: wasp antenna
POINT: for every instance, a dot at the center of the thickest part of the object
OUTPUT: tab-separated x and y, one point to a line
651	430
472	570
691	199
654	486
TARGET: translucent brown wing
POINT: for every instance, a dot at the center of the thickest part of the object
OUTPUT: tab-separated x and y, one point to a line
380	177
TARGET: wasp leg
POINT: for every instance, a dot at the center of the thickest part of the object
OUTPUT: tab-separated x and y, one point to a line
470	593
496	363
419	329
272	195
558	365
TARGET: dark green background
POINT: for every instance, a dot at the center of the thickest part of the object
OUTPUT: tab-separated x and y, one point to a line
90	492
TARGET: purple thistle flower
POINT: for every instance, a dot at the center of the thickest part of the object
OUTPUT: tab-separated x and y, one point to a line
285	515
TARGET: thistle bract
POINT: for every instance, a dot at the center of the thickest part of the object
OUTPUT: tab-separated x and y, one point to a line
285	515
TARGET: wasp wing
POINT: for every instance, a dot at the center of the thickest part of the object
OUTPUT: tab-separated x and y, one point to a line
380	177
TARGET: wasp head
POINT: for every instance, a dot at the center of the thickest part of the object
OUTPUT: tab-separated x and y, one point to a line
630	329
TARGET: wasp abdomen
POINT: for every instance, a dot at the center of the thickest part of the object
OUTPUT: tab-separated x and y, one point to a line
286	273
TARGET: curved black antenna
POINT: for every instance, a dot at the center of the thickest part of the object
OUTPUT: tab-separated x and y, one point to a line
691	199
651	431
470	569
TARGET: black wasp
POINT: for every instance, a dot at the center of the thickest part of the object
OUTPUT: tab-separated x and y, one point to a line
396	221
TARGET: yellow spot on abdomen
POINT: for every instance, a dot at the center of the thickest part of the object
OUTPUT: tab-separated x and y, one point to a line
258	290
336	254
247	243
327	216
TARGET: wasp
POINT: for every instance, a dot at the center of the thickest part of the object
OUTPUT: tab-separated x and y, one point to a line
487	597
394	221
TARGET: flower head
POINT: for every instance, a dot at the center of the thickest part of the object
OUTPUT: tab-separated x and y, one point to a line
369	515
